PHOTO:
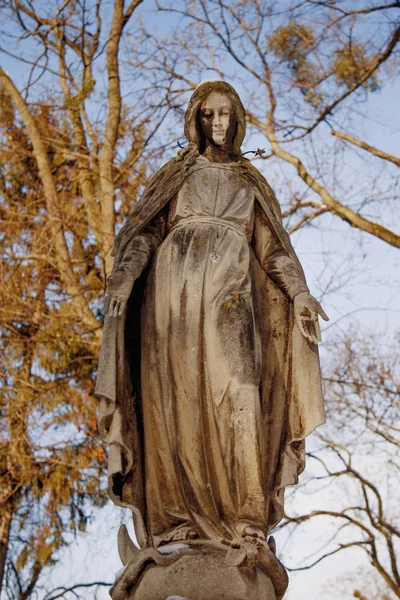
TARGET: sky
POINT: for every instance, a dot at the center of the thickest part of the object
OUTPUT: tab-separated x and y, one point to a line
369	297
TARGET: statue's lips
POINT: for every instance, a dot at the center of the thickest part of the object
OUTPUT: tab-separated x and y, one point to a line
219	135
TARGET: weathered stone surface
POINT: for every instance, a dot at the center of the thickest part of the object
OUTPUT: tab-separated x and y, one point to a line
199	570
203	577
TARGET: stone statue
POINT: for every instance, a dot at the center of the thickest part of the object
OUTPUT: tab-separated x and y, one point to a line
209	374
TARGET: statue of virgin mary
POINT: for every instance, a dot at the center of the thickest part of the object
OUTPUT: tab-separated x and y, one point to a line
209	375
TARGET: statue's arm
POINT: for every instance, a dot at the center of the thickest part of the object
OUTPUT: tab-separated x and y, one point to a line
287	272
275	260
136	256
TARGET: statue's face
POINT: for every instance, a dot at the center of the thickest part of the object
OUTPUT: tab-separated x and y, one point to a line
217	119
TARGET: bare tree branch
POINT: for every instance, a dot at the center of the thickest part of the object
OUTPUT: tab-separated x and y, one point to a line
352	218
64	590
353	140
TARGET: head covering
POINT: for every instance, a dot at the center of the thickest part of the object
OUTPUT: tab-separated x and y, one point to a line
202	91
169	179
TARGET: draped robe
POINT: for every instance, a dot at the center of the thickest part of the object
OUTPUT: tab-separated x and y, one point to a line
174	469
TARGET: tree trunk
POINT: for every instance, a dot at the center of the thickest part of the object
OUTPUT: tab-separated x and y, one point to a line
5	524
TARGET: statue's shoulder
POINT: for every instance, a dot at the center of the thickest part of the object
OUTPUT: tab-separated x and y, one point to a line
165	178
248	166
161	187
264	191
172	165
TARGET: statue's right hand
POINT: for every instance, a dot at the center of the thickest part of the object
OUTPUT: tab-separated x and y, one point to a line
119	288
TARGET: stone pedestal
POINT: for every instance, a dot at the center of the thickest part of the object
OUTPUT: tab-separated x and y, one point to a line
199	570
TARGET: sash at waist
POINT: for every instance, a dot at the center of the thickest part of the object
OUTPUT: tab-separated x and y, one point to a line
210	221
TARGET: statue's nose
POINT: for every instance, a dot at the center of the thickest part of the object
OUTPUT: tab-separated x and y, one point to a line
217	121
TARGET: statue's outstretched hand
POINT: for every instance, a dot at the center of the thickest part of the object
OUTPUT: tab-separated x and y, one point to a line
119	288
306	311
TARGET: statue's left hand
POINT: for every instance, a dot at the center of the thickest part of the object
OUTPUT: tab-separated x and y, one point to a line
119	288
306	311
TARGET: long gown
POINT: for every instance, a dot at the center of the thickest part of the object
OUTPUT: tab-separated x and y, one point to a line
206	402
201	364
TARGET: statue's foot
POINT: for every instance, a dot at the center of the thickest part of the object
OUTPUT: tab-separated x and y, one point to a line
183	534
254	534
249	534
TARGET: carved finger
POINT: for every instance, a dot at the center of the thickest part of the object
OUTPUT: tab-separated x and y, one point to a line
314	329
121	307
301	327
116	308
313	339
305	329
310	327
318	329
322	313
111	308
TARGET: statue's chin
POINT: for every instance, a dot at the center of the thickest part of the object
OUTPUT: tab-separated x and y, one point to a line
219	140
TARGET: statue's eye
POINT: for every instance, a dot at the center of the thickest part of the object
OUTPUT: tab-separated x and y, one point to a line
207	115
